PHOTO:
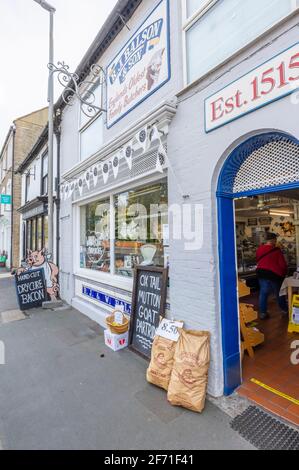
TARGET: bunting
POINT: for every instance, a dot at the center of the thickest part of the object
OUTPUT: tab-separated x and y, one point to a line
105	172
115	165
144	138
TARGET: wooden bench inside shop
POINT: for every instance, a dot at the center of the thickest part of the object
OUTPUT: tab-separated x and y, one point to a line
251	336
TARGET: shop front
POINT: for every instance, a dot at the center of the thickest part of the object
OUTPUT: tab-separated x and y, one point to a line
120	223
35	226
241	163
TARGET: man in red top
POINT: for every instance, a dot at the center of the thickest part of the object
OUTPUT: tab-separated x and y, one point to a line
271	270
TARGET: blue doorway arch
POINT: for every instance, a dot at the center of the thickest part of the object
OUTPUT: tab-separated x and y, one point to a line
226	193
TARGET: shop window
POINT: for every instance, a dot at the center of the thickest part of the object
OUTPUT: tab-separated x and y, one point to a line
140	218
141	228
44	183
33	235
231	23
95	236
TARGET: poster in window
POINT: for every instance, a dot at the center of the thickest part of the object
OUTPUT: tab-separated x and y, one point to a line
252	222
141	67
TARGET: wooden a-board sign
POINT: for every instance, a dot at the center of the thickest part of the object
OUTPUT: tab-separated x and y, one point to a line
31	290
148	304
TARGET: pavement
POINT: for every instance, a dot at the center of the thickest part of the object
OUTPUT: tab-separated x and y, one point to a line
62	388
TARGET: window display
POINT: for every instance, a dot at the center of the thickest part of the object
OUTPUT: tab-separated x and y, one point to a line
95	236
140	218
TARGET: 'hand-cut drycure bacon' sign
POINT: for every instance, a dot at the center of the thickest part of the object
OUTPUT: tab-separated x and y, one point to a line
30	287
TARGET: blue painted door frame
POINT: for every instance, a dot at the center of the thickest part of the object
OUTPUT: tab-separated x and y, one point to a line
227	251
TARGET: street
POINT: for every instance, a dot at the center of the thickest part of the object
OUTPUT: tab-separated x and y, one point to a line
62	388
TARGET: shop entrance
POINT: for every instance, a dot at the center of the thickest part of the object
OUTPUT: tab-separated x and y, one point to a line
258	194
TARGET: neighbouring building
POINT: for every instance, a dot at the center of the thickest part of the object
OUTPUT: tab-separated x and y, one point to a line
198	113
20	138
34	197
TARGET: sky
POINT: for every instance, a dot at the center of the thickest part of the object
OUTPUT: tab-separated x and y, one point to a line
24	28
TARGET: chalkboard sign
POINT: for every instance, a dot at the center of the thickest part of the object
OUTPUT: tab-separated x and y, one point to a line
148	303
30	287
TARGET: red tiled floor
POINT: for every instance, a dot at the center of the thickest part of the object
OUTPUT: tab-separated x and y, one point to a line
271	365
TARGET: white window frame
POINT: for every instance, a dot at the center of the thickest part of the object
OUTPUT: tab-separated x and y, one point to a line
110	278
189	22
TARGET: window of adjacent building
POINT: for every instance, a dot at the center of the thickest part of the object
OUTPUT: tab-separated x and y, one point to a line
222	27
140	235
4	164
8	192
2	205
27	186
44	185
9	154
28	235
45	232
39	234
95	236
33	235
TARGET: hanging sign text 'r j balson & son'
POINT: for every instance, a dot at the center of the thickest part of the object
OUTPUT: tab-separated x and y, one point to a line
141	67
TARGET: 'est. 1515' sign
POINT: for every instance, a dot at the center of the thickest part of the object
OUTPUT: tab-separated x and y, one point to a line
141	67
267	83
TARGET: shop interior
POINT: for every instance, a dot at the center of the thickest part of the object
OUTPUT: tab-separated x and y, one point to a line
266	344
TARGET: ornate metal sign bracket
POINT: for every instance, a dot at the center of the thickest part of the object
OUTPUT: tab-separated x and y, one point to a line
83	91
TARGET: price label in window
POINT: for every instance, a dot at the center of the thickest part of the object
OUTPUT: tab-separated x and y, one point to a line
169	329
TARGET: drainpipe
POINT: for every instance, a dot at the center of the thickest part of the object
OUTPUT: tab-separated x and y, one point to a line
13	129
58	140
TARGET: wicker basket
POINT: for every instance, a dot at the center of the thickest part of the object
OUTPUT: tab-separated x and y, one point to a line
117	329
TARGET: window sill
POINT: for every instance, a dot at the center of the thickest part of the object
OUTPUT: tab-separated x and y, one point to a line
106	278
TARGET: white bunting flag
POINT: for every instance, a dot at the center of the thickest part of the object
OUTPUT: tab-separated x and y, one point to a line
87	178
161	158
72	187
80	185
95	174
115	165
142	138
66	192
105	171
128	153
154	134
